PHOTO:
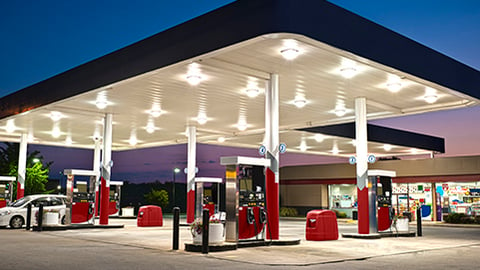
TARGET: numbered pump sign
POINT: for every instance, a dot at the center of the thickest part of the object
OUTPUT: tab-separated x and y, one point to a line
371	159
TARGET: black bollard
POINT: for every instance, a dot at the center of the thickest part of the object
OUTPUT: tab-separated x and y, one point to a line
29	217
419	221
40	217
176	225
205	221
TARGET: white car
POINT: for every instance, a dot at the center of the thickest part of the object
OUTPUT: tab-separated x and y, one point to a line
15	214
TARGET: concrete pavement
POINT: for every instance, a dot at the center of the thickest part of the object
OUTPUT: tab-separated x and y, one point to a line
307	253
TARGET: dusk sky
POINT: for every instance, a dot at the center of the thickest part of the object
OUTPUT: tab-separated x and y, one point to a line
42	38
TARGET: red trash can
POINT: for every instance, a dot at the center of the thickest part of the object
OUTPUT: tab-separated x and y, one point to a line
150	215
321	225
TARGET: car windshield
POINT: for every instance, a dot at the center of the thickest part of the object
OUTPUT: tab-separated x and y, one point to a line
20	202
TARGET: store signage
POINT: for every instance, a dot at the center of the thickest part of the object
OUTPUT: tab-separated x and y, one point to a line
445	187
475	192
371	159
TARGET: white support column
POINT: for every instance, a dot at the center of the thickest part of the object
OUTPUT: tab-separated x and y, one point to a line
362	164
272	142
96	168
22	165
106	169
191	168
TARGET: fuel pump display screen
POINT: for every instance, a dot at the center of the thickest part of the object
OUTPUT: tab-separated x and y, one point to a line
252	182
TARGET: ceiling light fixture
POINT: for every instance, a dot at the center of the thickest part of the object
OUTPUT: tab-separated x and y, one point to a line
194	79
56	132
150	128
290	53
155	112
303	146
340	111
252	92
242	125
387	147
319	138
348	72
68	140
335	150
55	116
101	104
300	101
430	98
133	140
394	87
221	139
10	127
202	118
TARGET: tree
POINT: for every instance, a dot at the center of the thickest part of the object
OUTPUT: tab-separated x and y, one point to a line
36	173
158	197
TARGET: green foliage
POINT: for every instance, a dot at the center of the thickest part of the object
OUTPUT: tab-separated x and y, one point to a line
339	214
459	218
157	197
288	212
36	173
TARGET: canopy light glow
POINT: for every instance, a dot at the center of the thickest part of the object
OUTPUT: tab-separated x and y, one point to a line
290	53
55	116
394	87
430	98
340	111
348	72
252	92
300	102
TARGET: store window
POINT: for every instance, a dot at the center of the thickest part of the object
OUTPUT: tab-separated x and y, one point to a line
343	198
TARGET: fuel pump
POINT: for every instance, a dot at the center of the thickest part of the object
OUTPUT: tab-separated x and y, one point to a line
115	197
205	197
80	197
6	190
381	181
251	211
245	198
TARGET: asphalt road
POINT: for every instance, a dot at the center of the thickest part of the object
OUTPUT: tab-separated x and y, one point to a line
40	250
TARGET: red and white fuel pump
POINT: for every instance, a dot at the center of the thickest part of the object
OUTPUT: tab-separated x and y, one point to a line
6	189
246	218
80	197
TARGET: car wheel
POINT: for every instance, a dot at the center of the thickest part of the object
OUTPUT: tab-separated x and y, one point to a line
16	222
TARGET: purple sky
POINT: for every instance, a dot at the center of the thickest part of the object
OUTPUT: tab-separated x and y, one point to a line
43	38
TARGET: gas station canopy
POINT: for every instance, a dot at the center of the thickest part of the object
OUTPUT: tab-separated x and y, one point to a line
211	72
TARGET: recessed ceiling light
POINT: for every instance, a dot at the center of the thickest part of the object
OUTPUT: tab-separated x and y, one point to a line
340	111
252	92
290	53
348	72
101	104
194	79
394	87
10	127
155	112
335	150
202	118
55	116
387	147
150	128
303	146
221	139
68	140
56	132
300	102
430	98
242	125
319	138
133	141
